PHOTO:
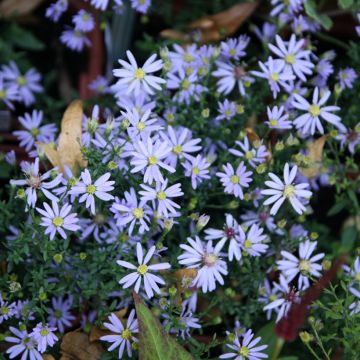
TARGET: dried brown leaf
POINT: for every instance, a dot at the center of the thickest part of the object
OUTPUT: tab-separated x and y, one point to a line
10	8
252	135
175	35
48	357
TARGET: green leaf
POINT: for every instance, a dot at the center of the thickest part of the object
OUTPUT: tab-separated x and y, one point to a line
336	208
154	342
324	20
289	358
268	337
24	38
345	3
348	237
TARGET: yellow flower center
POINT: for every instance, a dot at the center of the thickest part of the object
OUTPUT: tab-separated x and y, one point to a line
315	110
140	126
4	310
234	179
177	149
210	259
274	76
58	221
249	155
244	351
185	84
2	94
139	74
44	332
138	213
85	17
21	80
126	334
273	297
274	122
290	59
142	269
34	131
91	189
248	244
289	191
161	195
189	71
227	112
304	266
188	58
196	170
152	160
357	276
232	52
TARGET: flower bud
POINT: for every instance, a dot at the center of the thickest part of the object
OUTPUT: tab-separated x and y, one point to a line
205	113
202	222
305	337
58	258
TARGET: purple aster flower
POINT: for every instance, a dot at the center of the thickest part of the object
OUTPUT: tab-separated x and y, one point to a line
83	21
281	299
245	348
305	266
34	132
60	314
99	4
162	195
357	28
254	156
56	220
252	244
183	56
24	344
280	191
296	59
89	190
268	294
197	168
6	310
44	336
143	272
266	33
227	110
231	75
55	10
353	272
351	137
234	48
10	157
346	78
135	79
132	212
182	144
9	92
74	39
36	182
234	181
121	336
100	85
141	6
277	119
207	259
141	123
262	218
286	6
276	73
310	121
147	156
355	306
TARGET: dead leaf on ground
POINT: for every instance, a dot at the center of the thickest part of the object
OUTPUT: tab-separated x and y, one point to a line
10	8
48	357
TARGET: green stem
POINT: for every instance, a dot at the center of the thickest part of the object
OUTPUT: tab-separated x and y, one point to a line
279	345
312	351
331	40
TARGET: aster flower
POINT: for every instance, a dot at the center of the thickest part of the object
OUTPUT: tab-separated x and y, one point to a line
100	85
234	48
9	92
351	138
137	79
282	299
83	21
6	310
310	121
122	336
23	344
36	182
354	272
283	6
56	220
183	56
266	33
74	39
197	168
304	266
245	348
34	132
355	306
141	6
143	272
347	77
227	110
207	259
141	123
294	57
44	335
99	4
234	181
268	294
28	84
323	69
10	157
280	191
89	190
55	10
162	195
277	119
59	314
252	243
147	156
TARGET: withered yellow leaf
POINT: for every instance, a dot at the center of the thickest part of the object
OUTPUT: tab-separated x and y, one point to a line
47	357
252	135
315	153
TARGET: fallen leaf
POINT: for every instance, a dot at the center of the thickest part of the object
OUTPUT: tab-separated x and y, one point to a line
10	8
315	151
48	357
154	342
252	135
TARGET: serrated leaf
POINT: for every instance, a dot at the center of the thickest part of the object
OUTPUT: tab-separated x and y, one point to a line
345	4
154	342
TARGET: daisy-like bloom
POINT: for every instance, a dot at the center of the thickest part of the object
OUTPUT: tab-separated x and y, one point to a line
275	73
277	119
283	6
100	85
231	75
44	336
268	294
147	156
6	310
234	181
135	79
207	259
56	220
245	348
9	92
181	143
324	69
89	190
10	157
227	110
354	272
310	121
99	4
197	168
34	132
141	6
162	195
294	57
282	299
234	48
83	21
35	182
23	344
59	314
28	84
141	123
351	137
252	244
132	212
355	306
74	39
143	272
266	33
122	336
232	232
346	78
55	10
305	265
253	155
280	191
